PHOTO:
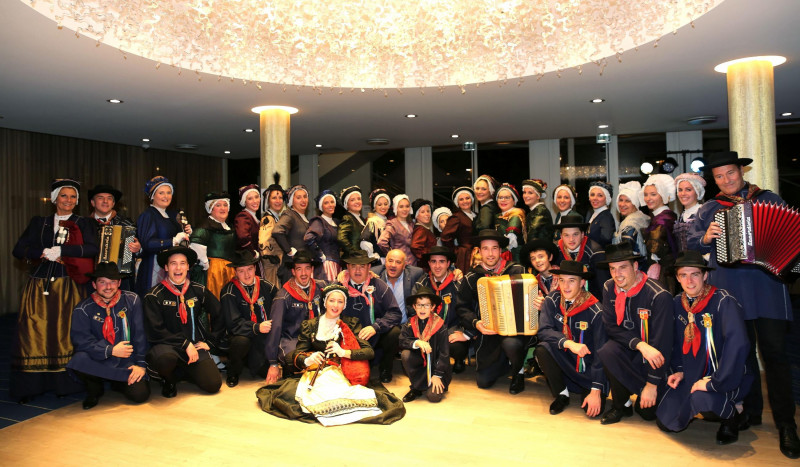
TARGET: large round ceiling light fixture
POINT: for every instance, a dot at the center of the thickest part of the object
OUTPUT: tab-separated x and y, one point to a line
374	43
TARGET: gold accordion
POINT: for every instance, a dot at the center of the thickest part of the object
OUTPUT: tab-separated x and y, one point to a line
114	241
507	304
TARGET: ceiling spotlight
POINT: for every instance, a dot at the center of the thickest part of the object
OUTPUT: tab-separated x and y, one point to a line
454	136
411	115
597	100
668	165
697	164
249	130
786	114
603	126
646	168
469	170
145	140
114	101
227	152
318	145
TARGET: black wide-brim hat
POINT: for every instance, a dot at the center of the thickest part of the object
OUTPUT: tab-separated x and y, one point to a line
439	251
108	270
693	259
359	257
424	292
536	245
622	251
164	256
490	234
243	258
718	159
301	257
572	268
572	220
105	189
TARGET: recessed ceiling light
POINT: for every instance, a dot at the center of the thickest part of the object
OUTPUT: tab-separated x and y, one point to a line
411	115
261	108
391	160
775	60
114	101
597	100
603	126
318	145
454	136
785	114
249	130
145	140
227	152
469	170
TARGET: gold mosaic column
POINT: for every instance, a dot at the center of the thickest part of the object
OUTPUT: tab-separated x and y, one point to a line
751	109
275	132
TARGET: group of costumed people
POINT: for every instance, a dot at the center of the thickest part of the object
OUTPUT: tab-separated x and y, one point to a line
319	307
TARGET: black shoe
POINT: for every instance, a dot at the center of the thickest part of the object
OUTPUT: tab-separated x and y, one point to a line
232	380
663	428
517	384
169	389
90	402
559	404
614	415
459	367
411	395
648	414
386	375
728	431
747	420
790	445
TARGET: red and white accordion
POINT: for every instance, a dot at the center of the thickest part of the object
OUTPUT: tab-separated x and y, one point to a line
766	234
506	304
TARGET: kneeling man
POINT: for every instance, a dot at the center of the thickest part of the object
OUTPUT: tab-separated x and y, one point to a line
109	340
180	341
708	359
570	330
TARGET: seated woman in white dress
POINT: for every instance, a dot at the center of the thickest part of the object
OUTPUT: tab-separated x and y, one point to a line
334	386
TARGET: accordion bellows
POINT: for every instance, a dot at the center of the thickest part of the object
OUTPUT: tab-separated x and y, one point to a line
114	241
766	234
506	304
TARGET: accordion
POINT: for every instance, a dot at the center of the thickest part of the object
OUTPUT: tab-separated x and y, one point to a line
506	304
114	241
766	234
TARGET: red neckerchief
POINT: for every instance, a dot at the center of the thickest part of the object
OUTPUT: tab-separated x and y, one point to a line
543	288
299	295
251	300
108	323
352	291
691	334
108	219
497	269
431	327
566	253
730	200
447	280
619	304
182	305
583	301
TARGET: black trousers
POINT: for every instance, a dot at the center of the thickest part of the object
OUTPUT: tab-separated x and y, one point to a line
137	392
555	376
387	345
770	336
237	352
171	366
513	356
458	350
620	396
418	374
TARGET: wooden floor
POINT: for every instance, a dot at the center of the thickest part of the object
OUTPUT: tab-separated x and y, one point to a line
470	427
